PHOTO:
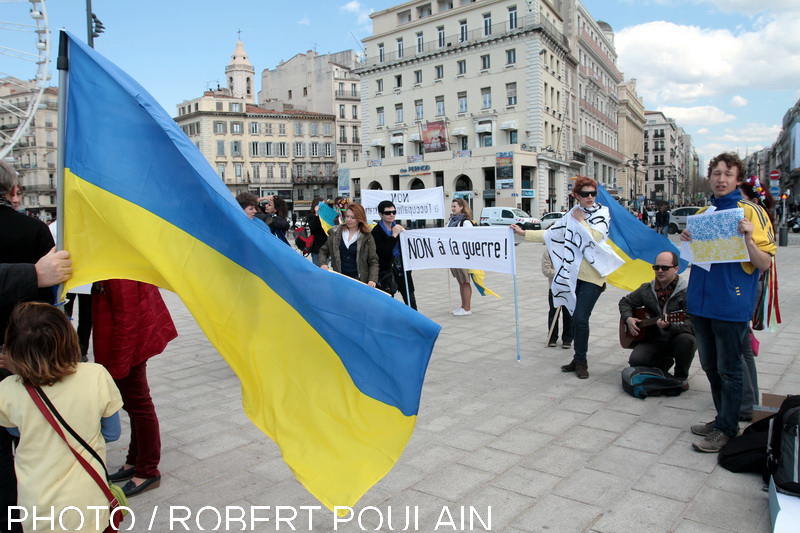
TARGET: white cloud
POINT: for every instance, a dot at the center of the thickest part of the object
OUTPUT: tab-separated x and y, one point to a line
305	21
683	64
362	13
748	138
688	116
738	101
702	131
749	7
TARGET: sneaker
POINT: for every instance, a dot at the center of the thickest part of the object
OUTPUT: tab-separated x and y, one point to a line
461	312
712	443
551	344
582	369
568	368
703	429
566	345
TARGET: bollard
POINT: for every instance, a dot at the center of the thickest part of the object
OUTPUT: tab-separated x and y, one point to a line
783	235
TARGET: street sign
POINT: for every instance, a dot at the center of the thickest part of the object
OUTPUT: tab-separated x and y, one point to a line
774	191
775	175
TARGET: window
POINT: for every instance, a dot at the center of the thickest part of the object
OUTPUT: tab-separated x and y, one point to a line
298	128
281	129
298	149
328	149
511	93
219	106
236	127
398	81
342	134
485	137
439	72
417	76
398	150
512	18
420	43
314	149
221	170
236	148
512	137
486	98
283	149
237	171
341	111
314	128
440	36
343	156
220	128
511	56
486	62
398	109
268	128
462	66
220	148
381	53
355	111
379	86
257	171
235	107
487	24
439	106
381	118
462	102
399	48
462	31
290	94
418	109
284	169
254	151
326	129
255	128
355	135
269	149
355	155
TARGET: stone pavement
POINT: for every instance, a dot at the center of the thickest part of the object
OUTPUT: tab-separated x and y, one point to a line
542	449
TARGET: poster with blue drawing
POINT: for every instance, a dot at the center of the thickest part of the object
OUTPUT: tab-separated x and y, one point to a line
716	237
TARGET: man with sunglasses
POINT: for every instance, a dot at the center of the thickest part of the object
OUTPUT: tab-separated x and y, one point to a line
390	261
673	342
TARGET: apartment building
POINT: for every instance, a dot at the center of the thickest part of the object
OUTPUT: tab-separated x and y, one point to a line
662	140
34	155
630	124
323	84
477	97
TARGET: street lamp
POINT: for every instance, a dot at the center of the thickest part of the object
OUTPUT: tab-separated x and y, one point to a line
635	164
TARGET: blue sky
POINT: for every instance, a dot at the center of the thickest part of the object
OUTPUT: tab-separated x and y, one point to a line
726	70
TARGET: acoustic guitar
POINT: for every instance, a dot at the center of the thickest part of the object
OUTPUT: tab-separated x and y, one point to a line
647	327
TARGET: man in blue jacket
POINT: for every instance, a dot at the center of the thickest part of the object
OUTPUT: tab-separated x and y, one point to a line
721	302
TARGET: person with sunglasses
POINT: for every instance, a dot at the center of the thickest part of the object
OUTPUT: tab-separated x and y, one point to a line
669	341
386	233
582	260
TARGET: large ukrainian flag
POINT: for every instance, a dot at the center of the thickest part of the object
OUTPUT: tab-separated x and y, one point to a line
634	242
330	369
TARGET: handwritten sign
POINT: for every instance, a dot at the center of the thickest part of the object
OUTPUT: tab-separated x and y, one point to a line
418	204
716	237
476	248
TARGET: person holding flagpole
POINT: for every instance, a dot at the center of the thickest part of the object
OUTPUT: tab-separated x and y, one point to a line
582	260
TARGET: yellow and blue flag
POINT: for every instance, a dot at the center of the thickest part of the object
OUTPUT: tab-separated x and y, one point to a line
479	279
327	216
331	369
634	242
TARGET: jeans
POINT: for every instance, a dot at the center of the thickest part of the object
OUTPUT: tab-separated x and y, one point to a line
586	295
144	452
566	320
719	344
662	352
750	393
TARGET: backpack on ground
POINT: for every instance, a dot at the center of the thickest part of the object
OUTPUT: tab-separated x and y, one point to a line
642	381
748	451
783	447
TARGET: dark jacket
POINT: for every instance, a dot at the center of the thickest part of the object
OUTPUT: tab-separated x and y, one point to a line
315	230
366	257
130	324
662	218
384	247
18	282
278	226
645	296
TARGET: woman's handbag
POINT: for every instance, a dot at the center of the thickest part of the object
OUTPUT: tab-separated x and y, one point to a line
116	497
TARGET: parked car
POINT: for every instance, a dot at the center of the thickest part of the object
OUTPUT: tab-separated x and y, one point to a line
505	216
551	218
677	217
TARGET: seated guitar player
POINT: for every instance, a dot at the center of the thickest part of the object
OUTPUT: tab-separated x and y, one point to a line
670	338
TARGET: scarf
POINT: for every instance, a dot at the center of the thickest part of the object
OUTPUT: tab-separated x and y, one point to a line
456	220
569	243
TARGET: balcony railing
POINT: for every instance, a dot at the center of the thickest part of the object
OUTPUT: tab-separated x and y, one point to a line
348	95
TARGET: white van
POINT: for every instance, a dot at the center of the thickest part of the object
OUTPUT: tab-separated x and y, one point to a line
505	216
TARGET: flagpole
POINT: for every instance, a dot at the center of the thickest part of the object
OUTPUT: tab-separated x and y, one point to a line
516	318
62	64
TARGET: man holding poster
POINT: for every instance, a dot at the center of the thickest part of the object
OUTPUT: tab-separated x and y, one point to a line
721	301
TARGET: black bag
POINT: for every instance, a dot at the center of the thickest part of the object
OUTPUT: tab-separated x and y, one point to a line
387	282
783	447
748	451
643	381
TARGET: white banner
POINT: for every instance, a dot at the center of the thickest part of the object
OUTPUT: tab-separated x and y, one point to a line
477	248
419	204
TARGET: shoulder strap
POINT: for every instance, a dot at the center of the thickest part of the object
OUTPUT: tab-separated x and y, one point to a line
38	396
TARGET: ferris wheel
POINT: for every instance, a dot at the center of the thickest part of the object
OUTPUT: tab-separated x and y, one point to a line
23	66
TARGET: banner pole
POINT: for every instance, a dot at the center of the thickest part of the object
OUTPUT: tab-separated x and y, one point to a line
62	64
516	319
553	325
408	291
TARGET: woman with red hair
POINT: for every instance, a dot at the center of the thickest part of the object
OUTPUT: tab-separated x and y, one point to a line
582	260
351	248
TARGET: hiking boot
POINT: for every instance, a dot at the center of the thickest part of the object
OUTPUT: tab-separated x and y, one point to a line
568	368
582	369
703	429
712	443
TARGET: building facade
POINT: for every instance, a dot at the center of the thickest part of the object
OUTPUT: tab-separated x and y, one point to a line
661	156
34	155
477	97
630	121
323	84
